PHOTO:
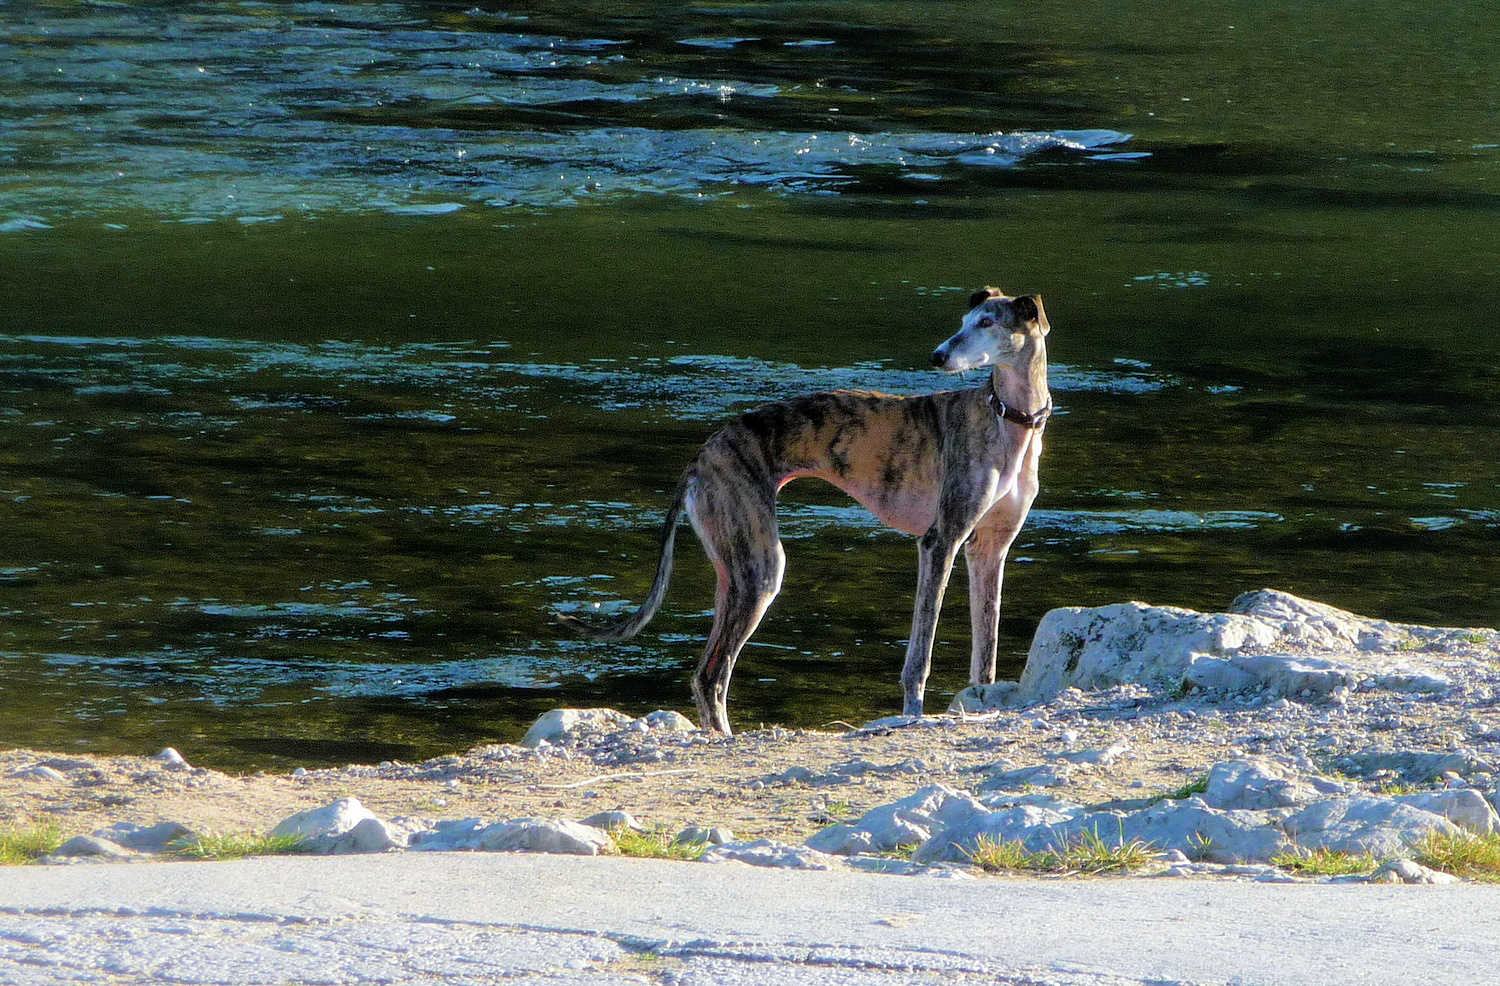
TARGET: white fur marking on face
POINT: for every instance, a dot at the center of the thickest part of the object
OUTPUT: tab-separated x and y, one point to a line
973	345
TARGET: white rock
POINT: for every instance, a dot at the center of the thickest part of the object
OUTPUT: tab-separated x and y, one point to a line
1129	643
1414	682
1365	823
323	829
1315	624
1021	778
1464	807
1097	758
1260	646
765	852
39	772
548	835
1273	675
613	821
908	822
1252	811
887	723
554	726
1409	871
665	720
1189	826
1416	768
368	835
92	846
697	835
517	835
966	822
172	760
1259	784
977	699
154	838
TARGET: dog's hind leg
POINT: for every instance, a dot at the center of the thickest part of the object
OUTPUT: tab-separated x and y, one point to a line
749	562
985	554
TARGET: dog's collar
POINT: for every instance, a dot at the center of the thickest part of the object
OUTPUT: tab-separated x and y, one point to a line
1034	420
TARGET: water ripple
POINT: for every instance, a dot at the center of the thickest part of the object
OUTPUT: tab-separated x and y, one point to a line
256	114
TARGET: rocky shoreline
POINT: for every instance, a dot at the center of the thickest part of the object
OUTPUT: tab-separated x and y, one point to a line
1223	742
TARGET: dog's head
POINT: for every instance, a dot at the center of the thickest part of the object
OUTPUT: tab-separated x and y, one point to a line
995	328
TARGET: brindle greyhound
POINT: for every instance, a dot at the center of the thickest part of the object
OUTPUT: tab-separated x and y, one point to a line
957	468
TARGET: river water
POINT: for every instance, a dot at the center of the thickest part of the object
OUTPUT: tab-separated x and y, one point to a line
344	341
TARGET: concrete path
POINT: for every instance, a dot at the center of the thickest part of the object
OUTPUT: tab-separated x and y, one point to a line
483	918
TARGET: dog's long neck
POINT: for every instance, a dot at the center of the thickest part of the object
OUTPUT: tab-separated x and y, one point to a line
1022	383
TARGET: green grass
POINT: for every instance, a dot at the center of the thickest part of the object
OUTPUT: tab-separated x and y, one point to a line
656	844
21	846
1474	857
1190	789
1086	854
1324	862
238	846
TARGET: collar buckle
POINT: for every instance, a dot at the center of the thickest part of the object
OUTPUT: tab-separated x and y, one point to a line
1035	420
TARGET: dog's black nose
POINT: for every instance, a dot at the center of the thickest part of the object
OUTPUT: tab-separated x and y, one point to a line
939	357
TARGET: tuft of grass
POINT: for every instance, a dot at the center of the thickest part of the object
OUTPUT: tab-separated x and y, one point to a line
1091	854
1324	862
656	844
1086	854
21	846
238	846
1190	789
1394	788
1009	856
1474	857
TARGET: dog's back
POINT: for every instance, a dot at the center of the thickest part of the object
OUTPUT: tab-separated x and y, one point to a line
883	451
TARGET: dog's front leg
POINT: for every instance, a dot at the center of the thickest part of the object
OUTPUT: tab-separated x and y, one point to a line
985	554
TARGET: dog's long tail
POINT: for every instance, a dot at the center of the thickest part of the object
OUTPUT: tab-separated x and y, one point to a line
628	626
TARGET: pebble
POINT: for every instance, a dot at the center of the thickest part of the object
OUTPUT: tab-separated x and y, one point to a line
40	772
172	760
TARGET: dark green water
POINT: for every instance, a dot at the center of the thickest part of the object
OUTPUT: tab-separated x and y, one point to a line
342	341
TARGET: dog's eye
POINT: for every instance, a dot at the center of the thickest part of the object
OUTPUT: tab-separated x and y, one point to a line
985	322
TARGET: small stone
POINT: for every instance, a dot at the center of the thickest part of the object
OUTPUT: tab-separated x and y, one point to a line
665	720
172	760
613	821
322	828
559	724
887	723
154	838
517	835
1410	871
39	772
697	835
765	852
91	845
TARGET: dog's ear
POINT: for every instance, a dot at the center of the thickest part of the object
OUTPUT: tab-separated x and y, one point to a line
984	294
1028	308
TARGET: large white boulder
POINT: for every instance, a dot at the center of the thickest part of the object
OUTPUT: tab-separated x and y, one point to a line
1270	643
1100	647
